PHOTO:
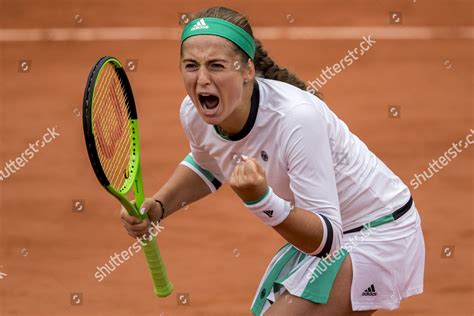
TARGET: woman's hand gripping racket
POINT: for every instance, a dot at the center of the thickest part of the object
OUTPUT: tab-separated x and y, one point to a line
112	140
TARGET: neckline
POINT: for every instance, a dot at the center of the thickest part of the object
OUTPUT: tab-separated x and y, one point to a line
254	104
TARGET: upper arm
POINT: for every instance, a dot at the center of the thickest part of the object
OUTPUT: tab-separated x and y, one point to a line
208	177
199	160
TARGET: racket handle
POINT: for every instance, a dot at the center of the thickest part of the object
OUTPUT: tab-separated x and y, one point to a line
162	284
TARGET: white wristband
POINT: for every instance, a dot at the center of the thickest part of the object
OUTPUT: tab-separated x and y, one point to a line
270	208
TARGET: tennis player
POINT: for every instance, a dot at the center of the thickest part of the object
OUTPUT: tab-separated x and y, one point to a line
355	243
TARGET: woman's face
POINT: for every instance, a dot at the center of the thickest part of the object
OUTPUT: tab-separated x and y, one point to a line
214	77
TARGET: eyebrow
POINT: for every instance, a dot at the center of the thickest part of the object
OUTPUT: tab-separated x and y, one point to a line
209	61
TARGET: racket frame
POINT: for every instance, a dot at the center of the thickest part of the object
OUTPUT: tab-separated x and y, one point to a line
133	170
134	178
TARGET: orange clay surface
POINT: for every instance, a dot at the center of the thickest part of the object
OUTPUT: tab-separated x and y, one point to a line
215	250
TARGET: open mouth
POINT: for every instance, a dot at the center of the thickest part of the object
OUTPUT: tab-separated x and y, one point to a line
209	103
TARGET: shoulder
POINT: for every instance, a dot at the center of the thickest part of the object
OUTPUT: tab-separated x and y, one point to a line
188	113
194	127
290	103
187	107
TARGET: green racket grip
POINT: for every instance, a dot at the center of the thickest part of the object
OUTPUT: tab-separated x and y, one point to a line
162	284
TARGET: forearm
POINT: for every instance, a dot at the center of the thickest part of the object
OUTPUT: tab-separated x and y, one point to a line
302	229
182	188
309	232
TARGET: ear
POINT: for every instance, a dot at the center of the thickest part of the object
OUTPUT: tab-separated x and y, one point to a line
249	71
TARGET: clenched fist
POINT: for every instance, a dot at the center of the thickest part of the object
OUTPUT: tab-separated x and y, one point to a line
248	179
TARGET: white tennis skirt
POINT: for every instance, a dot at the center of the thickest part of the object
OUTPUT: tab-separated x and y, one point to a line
387	263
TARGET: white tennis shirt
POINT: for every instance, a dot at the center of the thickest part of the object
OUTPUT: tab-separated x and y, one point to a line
310	156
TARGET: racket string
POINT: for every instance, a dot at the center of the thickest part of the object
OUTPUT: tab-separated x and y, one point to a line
99	115
102	132
123	144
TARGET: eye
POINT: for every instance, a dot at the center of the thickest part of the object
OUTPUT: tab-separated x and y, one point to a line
190	66
216	66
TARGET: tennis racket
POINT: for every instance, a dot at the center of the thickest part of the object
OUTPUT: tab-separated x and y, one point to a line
112	139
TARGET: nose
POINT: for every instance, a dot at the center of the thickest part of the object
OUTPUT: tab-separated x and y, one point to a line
203	77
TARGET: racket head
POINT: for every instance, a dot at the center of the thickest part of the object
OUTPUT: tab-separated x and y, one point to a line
111	127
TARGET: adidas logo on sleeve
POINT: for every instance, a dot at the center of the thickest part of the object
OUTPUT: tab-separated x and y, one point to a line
269	213
370	291
201	24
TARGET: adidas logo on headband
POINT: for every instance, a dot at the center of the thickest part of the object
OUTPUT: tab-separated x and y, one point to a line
200	25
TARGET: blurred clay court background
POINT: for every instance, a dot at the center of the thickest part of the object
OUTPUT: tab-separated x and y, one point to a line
408	98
